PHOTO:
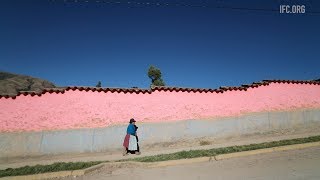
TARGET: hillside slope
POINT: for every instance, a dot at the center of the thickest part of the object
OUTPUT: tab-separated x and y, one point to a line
11	84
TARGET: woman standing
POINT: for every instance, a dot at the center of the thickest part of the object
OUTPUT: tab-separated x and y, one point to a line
130	143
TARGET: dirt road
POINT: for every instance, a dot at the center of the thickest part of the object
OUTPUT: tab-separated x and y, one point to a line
296	164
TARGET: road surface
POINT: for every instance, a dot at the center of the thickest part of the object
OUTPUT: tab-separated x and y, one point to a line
295	164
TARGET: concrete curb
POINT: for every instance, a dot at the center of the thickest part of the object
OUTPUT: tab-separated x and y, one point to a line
267	150
58	174
81	172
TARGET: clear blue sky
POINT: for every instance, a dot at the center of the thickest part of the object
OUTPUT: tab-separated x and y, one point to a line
81	43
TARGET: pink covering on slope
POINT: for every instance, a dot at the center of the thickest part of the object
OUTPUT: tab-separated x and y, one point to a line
80	109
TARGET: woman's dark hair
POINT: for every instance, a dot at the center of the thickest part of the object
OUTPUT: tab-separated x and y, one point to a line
132	120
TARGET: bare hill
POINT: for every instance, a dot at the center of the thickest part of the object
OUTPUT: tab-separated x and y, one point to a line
11	84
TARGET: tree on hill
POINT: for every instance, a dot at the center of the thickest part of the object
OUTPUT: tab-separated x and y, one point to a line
99	84
156	77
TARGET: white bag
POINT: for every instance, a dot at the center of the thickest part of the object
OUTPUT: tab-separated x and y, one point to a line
133	143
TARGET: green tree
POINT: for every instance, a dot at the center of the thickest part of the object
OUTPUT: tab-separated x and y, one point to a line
158	82
156	77
99	84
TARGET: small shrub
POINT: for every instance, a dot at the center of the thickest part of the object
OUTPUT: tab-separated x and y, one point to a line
204	143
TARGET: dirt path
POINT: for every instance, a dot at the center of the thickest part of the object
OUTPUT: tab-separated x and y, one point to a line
295	164
163	148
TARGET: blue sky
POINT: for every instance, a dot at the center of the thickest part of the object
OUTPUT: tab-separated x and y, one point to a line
81	43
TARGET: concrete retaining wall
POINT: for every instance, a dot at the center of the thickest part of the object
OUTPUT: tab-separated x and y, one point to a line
110	138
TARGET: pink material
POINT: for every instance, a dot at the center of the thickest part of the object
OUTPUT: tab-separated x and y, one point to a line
81	109
126	141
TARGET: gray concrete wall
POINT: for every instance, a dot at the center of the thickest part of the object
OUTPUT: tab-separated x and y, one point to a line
110	138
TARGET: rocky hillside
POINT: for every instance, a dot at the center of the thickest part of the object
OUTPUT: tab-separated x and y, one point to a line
11	84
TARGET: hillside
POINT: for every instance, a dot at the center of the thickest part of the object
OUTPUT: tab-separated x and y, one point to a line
11	84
